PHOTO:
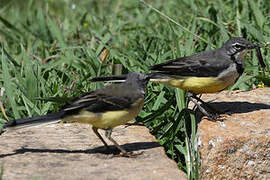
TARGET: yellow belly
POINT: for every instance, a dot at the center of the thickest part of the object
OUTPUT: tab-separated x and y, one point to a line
198	85
108	119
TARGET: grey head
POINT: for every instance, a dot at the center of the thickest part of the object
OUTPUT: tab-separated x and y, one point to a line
137	80
236	45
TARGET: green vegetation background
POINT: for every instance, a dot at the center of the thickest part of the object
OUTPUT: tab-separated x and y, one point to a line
50	49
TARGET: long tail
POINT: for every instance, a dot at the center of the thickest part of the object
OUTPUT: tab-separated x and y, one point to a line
121	78
113	78
33	121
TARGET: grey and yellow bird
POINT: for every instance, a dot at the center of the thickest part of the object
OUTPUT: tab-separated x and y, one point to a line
104	108
205	72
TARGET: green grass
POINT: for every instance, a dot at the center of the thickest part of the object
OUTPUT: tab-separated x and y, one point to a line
50	49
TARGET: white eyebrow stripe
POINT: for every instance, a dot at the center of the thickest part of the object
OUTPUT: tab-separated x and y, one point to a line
237	43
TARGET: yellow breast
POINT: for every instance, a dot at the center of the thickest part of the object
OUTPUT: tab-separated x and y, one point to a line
198	85
108	119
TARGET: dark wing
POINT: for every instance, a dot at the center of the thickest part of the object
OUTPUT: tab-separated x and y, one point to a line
203	64
102	100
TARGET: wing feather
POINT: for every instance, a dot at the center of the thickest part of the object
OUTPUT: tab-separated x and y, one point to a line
106	99
203	64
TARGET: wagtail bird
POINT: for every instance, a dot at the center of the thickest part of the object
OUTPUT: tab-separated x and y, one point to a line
104	108
205	72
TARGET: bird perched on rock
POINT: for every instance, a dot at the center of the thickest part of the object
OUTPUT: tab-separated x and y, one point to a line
104	108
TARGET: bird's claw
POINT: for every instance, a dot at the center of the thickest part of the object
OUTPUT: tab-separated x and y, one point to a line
217	117
129	154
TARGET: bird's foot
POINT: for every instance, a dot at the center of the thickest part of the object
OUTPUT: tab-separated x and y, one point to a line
129	154
217	117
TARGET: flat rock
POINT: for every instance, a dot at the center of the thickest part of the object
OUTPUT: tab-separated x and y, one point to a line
238	147
72	151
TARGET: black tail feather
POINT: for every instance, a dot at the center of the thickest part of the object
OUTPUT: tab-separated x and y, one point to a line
49	118
120	78
110	78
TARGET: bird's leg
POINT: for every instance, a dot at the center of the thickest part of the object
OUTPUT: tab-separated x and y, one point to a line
206	104
209	115
124	153
100	137
193	98
108	133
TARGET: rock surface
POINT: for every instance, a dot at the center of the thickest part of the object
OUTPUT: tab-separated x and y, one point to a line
238	147
72	151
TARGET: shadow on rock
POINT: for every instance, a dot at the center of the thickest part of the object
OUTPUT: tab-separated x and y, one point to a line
101	149
239	107
232	108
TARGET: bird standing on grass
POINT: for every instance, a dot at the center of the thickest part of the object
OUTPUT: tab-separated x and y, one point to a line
205	72
104	108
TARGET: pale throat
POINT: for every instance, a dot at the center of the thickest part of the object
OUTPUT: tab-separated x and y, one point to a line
241	55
